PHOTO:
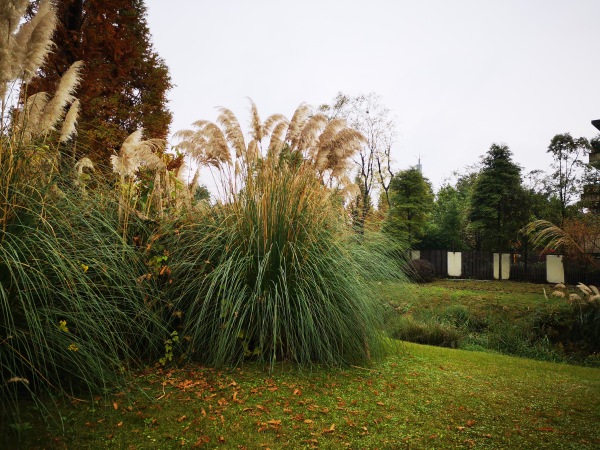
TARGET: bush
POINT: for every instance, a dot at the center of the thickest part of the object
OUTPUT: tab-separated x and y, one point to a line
457	315
520	339
420	270
429	332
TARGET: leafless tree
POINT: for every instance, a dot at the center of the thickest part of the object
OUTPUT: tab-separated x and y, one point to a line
368	115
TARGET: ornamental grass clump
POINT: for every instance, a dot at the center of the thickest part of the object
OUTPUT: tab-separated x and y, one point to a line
72	314
272	271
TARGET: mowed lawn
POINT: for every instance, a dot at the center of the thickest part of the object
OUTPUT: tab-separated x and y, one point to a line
482	297
419	397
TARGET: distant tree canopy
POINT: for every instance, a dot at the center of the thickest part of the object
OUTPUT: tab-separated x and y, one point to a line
565	182
411	201
124	82
447	228
498	207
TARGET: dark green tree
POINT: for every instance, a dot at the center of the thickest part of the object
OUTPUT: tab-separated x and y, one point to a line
498	210
411	202
124	82
447	227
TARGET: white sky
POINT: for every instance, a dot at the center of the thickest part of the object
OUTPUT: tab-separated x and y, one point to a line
458	75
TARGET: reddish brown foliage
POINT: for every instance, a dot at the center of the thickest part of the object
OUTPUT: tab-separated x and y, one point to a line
124	82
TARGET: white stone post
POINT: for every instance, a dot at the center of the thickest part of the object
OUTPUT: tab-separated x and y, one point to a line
454	264
505	266
555	270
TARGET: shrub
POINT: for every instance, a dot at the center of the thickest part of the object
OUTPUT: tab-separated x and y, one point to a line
457	315
420	270
429	332
520	339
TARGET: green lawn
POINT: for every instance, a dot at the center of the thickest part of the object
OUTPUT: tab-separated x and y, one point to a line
480	296
419	397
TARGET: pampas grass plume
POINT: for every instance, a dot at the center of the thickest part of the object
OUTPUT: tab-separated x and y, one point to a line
54	110
68	127
40	41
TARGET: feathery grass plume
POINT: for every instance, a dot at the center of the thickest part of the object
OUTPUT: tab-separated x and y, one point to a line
54	110
271	122
69	129
136	153
233	131
550	236
29	119
255	123
310	134
346	144
217	148
11	13
277	142
80	175
40	39
193	185
253	150
297	124
583	288
326	143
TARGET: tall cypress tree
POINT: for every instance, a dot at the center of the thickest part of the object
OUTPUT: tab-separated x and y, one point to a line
124	83
498	206
411	201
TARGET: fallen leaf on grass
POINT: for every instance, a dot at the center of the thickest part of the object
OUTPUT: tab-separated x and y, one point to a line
115	405
202	440
120	424
331	429
470	423
550	429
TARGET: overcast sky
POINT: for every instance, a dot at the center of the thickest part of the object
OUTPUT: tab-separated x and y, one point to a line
458	75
